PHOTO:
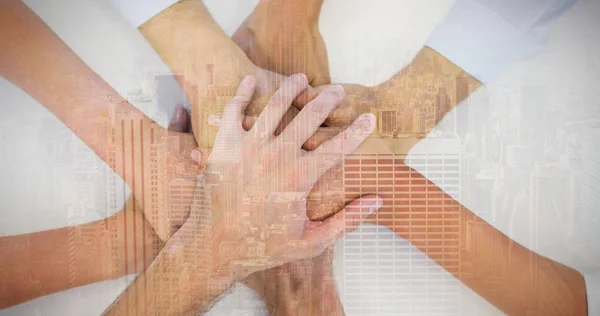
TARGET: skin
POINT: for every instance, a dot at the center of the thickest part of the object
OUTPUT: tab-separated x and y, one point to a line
52	74
541	281
79	255
221	243
295	47
570	285
38	62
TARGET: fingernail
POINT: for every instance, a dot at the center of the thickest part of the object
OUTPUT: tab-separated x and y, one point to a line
365	122
196	155
248	81
300	77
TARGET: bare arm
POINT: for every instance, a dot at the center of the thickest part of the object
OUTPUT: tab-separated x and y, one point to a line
520	281
430	77
130	143
283	36
56	260
511	277
210	65
236	227
37	61
42	263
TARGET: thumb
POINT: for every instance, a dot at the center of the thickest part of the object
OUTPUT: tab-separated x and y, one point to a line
321	235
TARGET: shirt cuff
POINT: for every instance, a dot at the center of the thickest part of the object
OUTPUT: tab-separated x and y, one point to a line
137	12
485	37
592	285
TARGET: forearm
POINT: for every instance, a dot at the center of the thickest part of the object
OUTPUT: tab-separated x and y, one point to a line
36	60
179	281
207	64
514	279
47	262
426	90
511	277
500	270
189	40
520	281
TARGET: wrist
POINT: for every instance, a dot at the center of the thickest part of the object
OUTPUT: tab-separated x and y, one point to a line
308	299
308	9
210	240
197	249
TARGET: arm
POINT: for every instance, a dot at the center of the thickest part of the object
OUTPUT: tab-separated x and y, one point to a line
422	213
470	255
82	254
242	222
283	36
303	287
509	276
37	61
42	263
430	77
210	65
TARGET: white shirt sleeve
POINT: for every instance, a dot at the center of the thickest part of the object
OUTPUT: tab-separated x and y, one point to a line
137	12
484	37
592	284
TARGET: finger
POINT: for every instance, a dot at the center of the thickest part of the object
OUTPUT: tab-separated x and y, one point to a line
287	118
279	103
322	201
233	112
300	102
341	116
180	122
305	97
321	235
342	144
312	116
321	135
334	150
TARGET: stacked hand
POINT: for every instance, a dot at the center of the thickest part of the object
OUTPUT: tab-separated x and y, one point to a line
283	36
250	201
249	207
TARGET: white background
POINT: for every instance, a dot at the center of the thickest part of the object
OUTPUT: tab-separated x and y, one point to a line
49	178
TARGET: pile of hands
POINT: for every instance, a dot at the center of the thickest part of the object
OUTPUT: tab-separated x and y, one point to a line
266	159
249	212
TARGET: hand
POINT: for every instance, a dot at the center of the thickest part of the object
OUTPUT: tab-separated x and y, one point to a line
250	204
303	287
283	36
